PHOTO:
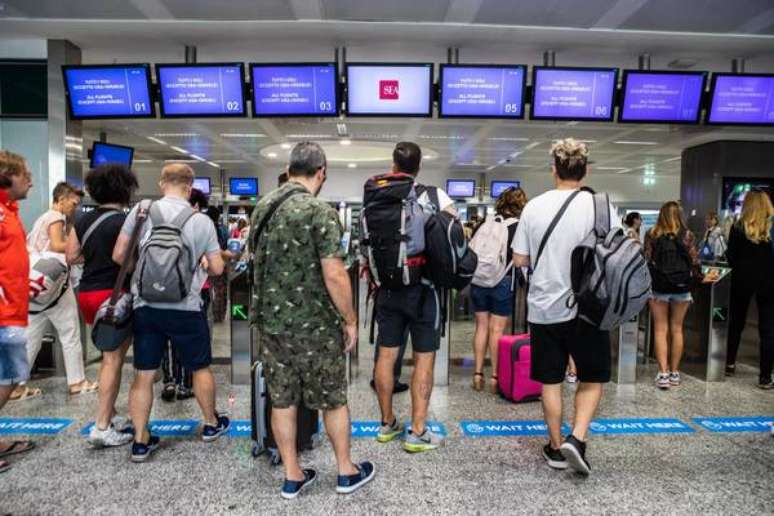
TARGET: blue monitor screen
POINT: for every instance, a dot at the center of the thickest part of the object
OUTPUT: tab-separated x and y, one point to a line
460	187
294	90
202	184
102	153
662	97
498	187
201	90
742	99
482	91
109	91
243	185
573	93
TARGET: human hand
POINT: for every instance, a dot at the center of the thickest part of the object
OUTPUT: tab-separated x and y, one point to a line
205	263
350	337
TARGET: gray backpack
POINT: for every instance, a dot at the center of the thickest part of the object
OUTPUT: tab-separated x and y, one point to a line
610	278
166	265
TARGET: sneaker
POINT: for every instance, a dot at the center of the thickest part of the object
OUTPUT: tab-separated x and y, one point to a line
575	452
141	452
210	433
765	384
426	441
184	393
571	378
108	438
347	484
662	381
122	424
554	458
391	432
168	392
674	378
292	488
731	370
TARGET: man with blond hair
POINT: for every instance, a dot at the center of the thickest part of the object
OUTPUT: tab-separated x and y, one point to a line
182	321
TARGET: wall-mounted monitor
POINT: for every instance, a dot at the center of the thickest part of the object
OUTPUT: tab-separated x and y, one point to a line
243	186
573	93
203	184
298	89
498	187
390	89
482	91
662	97
741	99
104	153
459	188
108	91
201	90
735	189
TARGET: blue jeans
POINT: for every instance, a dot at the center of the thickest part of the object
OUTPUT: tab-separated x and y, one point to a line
13	355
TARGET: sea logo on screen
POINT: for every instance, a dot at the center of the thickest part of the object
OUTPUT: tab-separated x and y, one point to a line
388	89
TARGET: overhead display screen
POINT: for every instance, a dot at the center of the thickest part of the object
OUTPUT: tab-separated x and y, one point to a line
662	97
390	89
201	90
103	153
482	91
295	89
109	91
243	185
742	99
498	187
203	184
573	93
461	187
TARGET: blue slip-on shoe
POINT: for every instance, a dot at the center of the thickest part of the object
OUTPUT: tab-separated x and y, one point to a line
347	484
141	452
210	433
292	488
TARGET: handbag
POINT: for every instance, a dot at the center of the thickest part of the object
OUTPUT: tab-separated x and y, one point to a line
113	321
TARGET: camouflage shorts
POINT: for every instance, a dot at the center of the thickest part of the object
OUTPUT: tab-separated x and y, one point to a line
301	371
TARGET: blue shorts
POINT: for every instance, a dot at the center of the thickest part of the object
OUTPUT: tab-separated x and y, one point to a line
497	300
187	331
13	355
684	297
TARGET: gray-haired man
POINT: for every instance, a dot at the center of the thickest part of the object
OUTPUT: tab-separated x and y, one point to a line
304	313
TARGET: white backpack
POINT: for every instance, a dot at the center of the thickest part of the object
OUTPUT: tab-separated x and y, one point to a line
490	243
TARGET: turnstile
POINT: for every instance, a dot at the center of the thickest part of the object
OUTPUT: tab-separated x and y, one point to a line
624	342
241	334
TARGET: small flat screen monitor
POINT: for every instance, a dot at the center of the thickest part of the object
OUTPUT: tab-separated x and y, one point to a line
108	91
303	89
662	97
498	187
459	188
201	90
243	186
103	153
390	89
735	189
573	93
482	91
741	99
203	184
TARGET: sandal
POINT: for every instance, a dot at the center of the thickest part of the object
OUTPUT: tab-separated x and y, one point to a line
494	384
478	381
85	387
25	393
4	466
17	447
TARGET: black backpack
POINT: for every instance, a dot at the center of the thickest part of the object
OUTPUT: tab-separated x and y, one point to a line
450	262
671	265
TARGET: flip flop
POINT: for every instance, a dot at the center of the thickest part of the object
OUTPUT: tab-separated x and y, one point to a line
18	447
26	393
4	466
86	387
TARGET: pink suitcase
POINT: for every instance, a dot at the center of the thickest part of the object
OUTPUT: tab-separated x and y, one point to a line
514	353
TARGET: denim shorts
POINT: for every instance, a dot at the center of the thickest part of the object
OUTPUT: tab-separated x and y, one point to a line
13	355
187	331
684	297
497	300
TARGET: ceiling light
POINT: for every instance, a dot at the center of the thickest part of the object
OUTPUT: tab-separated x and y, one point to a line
632	142
345	141
178	149
672	159
180	161
271	154
243	135
142	161
352	165
210	163
197	158
506	139
609	168
285	146
307	136
156	140
232	161
176	135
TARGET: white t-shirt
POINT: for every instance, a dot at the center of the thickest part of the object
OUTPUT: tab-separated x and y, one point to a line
38	240
443	199
550	285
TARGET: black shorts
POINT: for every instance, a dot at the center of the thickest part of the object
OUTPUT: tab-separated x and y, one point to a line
187	331
416	309
553	344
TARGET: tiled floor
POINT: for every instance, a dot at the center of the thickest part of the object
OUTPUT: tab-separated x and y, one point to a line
697	473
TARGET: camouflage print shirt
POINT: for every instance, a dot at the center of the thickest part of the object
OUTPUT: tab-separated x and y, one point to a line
289	294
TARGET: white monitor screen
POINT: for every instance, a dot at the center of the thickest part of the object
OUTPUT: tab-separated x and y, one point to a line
385	90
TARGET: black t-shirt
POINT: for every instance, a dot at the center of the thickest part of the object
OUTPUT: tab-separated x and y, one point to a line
99	270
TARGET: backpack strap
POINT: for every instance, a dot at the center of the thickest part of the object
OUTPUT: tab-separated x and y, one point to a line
601	214
255	235
183	217
552	226
142	214
94	225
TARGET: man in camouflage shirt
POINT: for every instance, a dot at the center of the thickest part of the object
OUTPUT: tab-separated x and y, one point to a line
303	310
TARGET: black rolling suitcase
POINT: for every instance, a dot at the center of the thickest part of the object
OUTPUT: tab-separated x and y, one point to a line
260	417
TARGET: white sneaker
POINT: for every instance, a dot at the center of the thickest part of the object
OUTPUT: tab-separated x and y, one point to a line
571	378
662	381
674	378
108	437
121	423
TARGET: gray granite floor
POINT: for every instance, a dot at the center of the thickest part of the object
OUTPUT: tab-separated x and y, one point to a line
698	473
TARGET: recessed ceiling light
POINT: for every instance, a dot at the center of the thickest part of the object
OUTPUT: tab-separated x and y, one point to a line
180	161
243	135
215	165
285	146
352	165
345	141
178	149
176	135
631	142
271	154
141	161
156	140
609	168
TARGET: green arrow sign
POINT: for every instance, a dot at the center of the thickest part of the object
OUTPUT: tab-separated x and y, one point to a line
238	312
